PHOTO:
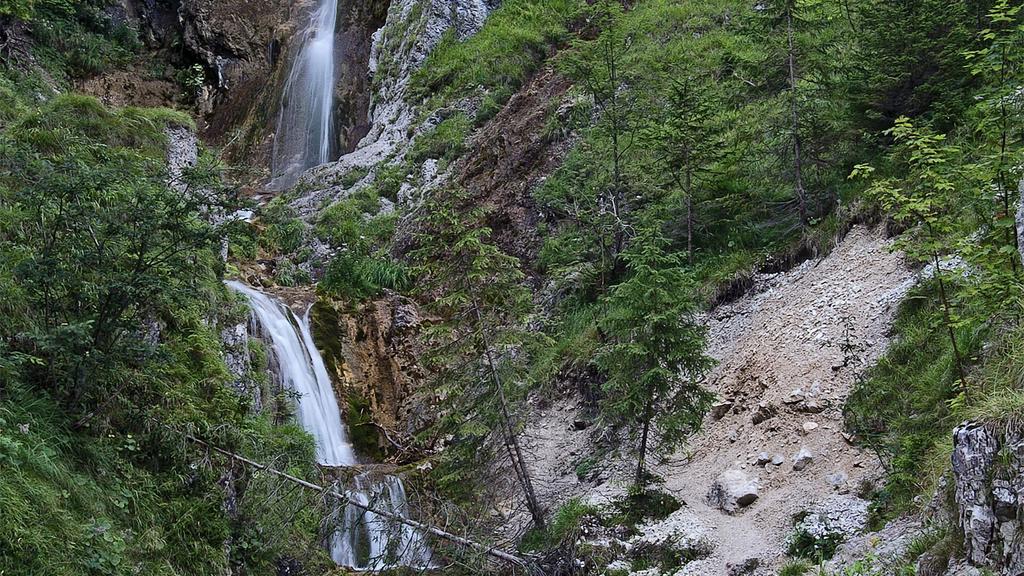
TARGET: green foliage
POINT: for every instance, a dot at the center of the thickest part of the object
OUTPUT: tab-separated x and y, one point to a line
445	142
284	232
654	356
94	239
480	348
564	527
362	266
645	505
20	9
78	39
803	544
903	409
499	58
911	60
109	341
795	568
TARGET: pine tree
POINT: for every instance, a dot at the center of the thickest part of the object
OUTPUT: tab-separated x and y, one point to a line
654	357
480	347
685	140
598	65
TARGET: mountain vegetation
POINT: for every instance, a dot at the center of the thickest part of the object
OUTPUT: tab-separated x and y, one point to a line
703	142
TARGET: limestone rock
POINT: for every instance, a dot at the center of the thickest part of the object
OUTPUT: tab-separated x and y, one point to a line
887	547
682	533
802	458
843	516
795	397
988	475
733	490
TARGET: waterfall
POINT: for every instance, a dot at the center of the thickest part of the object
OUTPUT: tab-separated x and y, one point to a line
363	540
303	136
302	370
370	542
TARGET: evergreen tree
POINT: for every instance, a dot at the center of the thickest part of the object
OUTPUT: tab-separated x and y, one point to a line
654	353
685	140
598	65
479	349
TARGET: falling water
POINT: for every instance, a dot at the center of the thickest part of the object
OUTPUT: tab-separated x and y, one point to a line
364	540
303	137
303	370
368	541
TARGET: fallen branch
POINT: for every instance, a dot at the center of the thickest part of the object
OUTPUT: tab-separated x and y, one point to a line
527	565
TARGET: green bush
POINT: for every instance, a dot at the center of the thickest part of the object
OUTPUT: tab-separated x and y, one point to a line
803	544
564	527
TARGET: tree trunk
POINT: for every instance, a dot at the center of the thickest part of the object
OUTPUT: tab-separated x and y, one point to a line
641	460
798	180
948	318
689	208
510	438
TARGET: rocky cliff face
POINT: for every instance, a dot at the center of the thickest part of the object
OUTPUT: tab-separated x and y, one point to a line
988	473
371	351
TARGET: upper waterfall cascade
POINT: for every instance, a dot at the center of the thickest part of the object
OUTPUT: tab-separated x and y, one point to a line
364	540
304	126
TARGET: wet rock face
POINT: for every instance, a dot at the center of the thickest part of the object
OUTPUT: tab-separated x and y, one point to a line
357	23
238	42
988	474
371	351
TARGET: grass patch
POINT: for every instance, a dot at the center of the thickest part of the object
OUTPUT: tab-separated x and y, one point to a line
904	408
512	44
563	527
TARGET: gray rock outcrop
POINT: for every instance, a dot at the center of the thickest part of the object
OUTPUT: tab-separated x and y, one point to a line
988	475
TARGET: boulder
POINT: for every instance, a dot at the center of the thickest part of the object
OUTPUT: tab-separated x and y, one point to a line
802	458
682	534
732	491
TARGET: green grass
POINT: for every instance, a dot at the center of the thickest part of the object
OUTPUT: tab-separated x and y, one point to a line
563	527
512	44
795	568
905	409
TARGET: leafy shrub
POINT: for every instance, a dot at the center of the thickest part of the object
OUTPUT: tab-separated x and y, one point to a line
802	544
564	527
360	276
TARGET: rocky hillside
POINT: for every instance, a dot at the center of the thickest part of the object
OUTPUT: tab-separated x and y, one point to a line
614	288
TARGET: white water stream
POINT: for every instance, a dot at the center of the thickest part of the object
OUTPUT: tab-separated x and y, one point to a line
363	540
303	136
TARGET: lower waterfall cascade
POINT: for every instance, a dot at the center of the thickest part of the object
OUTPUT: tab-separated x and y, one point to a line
364	540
